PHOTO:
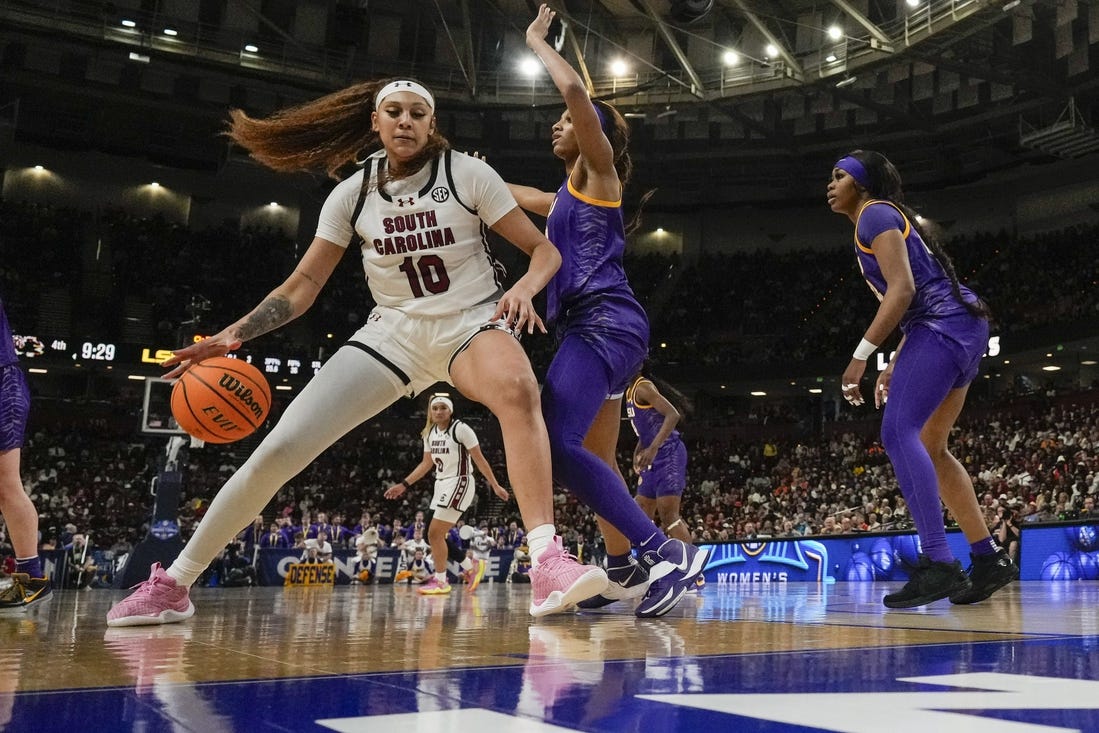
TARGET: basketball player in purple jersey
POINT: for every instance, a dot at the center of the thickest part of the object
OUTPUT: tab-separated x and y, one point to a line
29	585
602	334
660	459
945	327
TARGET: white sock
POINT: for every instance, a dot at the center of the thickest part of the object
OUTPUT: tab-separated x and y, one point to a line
538	539
441	577
185	572
467	564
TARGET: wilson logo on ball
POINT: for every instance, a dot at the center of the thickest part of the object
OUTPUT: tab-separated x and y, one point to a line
221	400
233	385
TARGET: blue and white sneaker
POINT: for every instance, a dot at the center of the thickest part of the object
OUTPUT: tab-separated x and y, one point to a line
673	570
626	582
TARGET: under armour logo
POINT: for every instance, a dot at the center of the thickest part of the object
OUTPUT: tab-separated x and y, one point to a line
401	202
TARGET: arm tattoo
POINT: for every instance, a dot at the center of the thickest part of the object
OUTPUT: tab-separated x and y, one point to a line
271	313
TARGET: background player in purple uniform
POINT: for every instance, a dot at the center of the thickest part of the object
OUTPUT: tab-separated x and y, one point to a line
29	584
945	327
660	458
602	331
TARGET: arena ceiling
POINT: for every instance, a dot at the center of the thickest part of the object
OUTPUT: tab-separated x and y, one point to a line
730	100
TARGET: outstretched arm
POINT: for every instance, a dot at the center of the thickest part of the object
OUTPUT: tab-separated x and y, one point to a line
531	199
595	149
418	473
285	303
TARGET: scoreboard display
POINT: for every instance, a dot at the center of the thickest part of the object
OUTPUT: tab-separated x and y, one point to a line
59	352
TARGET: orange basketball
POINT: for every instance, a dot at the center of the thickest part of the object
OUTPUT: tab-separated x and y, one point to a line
221	400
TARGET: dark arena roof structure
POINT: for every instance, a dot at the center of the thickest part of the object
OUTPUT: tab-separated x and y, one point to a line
730	100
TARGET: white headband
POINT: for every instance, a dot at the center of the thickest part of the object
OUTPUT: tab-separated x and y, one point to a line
445	400
403	86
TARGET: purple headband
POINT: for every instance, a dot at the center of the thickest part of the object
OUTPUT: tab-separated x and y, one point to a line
599	114
854	168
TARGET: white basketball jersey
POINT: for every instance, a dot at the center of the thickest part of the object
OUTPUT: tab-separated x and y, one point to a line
424	246
450	450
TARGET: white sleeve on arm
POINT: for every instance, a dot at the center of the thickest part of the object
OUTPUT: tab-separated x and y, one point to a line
334	223
464	434
481	188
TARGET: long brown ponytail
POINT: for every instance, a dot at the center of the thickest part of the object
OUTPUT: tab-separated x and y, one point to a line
324	134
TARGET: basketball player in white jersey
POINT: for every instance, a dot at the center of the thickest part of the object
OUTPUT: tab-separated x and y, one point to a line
451	449
418	212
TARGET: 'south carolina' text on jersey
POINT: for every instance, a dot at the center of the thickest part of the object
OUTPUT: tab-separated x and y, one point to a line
413	233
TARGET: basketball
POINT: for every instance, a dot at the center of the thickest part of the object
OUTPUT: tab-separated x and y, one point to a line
906	551
1060	566
221	400
860	567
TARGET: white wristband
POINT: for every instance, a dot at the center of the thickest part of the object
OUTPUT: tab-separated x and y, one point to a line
864	350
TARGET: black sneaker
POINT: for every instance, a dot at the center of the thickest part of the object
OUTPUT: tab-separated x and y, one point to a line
629	581
930	581
987	574
24	593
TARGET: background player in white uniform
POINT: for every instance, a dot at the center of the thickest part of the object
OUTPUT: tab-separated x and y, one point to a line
451	449
442	315
481	544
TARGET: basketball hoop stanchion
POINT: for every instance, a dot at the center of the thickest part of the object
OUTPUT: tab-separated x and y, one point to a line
163	542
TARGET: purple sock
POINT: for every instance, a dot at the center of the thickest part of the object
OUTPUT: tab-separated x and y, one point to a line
29	565
618	561
986	547
575	388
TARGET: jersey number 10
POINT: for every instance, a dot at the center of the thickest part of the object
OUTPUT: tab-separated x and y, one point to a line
426	273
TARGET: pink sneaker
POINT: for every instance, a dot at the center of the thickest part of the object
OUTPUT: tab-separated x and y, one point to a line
560	581
157	600
433	588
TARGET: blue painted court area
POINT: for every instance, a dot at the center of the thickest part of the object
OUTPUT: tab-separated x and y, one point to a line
1015	686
